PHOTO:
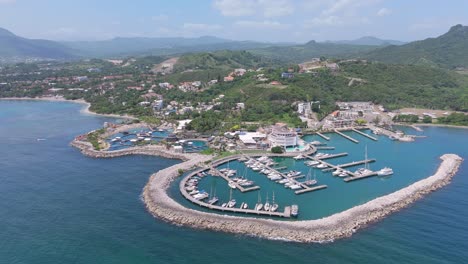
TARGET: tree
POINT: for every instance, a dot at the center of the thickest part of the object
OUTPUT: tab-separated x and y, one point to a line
277	150
427	119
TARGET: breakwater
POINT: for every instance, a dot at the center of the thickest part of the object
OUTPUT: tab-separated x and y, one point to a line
330	228
336	226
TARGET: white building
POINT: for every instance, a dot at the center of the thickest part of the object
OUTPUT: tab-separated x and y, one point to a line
282	136
158	105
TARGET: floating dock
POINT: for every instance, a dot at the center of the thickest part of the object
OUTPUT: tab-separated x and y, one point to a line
216	172
359	177
323	136
364	134
286	213
311	189
346	136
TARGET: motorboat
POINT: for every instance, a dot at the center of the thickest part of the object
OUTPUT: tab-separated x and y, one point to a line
337	172
295	187
321	166
385	171
294	210
343	174
231	203
232	185
299	157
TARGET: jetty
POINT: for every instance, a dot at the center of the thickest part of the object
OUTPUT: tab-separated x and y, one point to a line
325	148
360	177
323	136
346	136
215	172
286	213
350	164
364	134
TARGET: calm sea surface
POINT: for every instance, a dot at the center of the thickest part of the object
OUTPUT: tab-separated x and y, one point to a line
57	206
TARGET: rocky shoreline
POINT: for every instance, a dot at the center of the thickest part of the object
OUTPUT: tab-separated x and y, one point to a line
339	225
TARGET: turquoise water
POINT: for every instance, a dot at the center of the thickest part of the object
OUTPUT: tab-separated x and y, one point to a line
58	206
124	143
410	162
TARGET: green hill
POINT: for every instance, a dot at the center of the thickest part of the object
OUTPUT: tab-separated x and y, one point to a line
312	49
448	51
220	60
12	46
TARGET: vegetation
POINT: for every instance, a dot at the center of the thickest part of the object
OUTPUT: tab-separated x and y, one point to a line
457	119
406	118
449	51
94	138
277	149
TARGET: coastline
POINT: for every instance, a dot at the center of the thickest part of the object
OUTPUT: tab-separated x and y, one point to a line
441	125
327	229
85	110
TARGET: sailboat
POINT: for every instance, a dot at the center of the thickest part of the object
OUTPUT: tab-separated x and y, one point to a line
274	205
309	181
365	170
267	205
232	202
259	205
213	198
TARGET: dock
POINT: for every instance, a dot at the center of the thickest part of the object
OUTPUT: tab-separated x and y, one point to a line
311	189
359	177
351	164
323	136
286	213
216	172
346	136
325	148
364	134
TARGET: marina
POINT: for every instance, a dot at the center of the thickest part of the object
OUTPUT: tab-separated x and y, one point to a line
364	134
346	136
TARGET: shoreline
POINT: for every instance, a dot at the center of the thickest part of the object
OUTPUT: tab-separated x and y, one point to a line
340	225
84	110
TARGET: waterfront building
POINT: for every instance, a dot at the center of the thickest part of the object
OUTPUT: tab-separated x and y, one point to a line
282	136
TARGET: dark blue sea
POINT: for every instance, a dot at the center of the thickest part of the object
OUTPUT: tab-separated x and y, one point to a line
58	206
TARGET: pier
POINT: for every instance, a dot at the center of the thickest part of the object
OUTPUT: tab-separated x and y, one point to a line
359	177
311	189
286	213
346	136
325	148
364	134
216	172
351	164
323	136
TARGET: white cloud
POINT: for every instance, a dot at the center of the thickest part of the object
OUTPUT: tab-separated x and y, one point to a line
267	8
324	21
201	27
384	12
266	24
276	8
235	7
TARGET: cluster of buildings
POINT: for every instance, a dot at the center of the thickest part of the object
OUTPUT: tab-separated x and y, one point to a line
236	73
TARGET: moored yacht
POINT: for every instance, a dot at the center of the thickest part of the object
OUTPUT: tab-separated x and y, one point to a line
385	171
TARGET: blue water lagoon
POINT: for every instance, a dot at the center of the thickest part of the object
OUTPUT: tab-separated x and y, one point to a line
58	206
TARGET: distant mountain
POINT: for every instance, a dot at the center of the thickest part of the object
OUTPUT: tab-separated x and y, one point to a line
449	50
370	41
159	46
16	48
312	49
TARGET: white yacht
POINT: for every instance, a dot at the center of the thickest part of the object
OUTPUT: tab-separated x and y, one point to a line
232	185
385	171
321	166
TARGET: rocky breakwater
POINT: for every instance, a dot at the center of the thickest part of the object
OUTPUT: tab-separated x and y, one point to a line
339	225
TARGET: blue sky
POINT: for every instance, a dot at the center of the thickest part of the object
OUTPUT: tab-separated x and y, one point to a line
261	20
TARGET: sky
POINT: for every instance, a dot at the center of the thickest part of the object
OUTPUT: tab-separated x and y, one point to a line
258	20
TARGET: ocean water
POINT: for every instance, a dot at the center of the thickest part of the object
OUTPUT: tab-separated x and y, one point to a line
57	206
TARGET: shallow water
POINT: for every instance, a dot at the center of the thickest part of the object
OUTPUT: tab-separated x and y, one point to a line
58	206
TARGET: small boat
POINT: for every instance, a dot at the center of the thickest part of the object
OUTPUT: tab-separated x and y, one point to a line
295	187
259	205
299	157
393	137
274	205
309	181
231	203
343	174
267	205
337	172
321	166
224	205
232	185
293	173
194	192
385	171
316	143
245	206
311	163
213	200
294	210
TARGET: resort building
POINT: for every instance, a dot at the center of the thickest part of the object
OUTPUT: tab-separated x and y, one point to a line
282	136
